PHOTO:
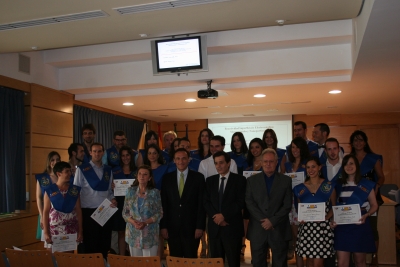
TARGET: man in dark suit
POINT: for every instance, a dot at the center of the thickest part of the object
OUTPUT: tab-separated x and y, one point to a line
224	201
269	200
184	217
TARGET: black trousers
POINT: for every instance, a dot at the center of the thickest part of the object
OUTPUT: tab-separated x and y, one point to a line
183	247
229	246
96	238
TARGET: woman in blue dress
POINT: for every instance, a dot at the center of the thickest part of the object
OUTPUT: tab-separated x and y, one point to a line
239	151
43	181
126	170
315	239
203	144
356	238
254	158
271	141
298	154
151	137
154	159
371	169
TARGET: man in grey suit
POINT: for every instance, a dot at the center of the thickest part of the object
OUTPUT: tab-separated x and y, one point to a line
269	200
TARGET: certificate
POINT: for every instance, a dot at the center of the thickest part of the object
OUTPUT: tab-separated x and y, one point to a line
121	186
63	243
297	178
347	214
103	212
311	212
247	174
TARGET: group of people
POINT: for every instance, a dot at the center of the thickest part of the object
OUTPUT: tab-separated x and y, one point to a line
180	194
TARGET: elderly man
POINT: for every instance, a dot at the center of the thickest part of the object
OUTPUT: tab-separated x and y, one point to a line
269	200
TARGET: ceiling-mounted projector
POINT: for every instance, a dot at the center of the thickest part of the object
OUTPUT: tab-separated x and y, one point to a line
208	93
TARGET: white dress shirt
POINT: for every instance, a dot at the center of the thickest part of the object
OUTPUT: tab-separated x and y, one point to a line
207	167
332	170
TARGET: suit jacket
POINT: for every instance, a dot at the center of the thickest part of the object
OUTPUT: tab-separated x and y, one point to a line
275	207
183	215
231	207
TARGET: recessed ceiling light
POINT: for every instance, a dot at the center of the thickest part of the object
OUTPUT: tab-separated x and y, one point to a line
190	100
34	47
127	104
143	35
259	95
333	92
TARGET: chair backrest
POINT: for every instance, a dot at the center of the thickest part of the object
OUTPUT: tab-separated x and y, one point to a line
127	261
79	260
29	258
386	188
4	262
198	262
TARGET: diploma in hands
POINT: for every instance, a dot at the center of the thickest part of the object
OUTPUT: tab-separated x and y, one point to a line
63	243
297	178
311	212
104	212
121	186
347	214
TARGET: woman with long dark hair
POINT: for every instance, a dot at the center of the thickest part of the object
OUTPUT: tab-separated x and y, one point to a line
126	170
155	160
203	144
239	151
271	141
315	239
151	137
371	165
254	157
44	180
298	154
352	188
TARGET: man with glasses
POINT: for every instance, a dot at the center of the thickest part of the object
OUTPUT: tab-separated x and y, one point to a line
111	156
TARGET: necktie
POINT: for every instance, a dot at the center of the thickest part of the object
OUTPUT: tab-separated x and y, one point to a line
221	192
181	183
321	146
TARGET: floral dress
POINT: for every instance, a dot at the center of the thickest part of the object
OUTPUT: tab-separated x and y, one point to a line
62	223
141	210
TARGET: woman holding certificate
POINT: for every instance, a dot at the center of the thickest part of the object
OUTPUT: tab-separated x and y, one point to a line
62	213
142	213
315	237
355	237
125	172
295	168
44	180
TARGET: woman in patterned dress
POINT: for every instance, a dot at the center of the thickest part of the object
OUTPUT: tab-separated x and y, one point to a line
315	239
142	213
62	212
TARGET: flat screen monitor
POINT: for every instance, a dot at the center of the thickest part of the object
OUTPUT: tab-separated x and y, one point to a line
179	54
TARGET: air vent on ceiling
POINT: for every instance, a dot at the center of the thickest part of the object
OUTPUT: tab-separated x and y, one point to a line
24	64
163	5
53	20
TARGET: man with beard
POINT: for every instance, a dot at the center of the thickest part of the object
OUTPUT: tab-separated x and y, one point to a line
88	134
111	156
76	154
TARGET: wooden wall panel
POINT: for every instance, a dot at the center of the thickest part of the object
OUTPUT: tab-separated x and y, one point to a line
15	84
49	141
28	114
51	99
370	118
311	120
39	156
342	133
51	122
18	231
